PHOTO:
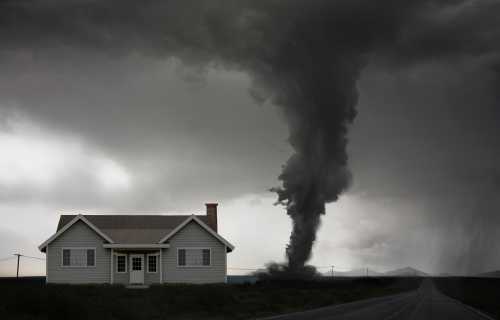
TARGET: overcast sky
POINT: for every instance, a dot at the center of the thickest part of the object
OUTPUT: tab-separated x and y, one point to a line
98	115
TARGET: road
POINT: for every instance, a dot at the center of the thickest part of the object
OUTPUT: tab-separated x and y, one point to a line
423	304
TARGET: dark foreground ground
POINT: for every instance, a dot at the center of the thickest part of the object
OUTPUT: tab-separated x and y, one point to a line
32	299
481	293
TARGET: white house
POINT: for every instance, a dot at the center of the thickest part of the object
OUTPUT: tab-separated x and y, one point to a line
137	249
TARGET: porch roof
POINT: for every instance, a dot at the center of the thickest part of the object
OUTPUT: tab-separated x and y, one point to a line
136	245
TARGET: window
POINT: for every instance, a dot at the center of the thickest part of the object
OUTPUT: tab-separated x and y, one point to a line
78	257
152	263
121	263
193	257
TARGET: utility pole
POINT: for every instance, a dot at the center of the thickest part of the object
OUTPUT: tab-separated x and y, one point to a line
18	257
332	271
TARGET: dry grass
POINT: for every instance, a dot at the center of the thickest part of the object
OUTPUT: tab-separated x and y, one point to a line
32	299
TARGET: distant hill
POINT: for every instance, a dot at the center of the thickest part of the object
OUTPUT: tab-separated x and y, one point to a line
356	273
491	274
406	272
363	272
445	274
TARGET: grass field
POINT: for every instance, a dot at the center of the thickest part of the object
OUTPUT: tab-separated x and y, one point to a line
32	299
481	293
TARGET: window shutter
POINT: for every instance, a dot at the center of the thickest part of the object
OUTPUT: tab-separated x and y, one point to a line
66	257
206	257
90	257
181	259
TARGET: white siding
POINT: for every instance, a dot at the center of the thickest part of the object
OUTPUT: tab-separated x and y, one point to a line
193	235
78	235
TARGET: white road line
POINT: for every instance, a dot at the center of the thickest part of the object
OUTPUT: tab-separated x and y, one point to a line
472	309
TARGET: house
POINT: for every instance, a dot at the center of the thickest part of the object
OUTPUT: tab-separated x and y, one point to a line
137	249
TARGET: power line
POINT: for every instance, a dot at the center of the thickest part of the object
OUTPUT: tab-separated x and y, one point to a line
18	257
261	268
7	258
32	257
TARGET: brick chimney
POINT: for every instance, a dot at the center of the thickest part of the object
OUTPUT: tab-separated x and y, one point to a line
212	215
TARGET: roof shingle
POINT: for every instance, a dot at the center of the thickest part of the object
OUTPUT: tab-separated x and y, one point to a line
137	229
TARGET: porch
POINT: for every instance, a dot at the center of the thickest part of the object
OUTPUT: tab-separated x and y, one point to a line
136	265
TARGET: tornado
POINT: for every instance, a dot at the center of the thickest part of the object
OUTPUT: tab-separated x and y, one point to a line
321	106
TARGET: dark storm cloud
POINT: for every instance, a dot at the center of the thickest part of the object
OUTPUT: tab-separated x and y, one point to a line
168	136
427	135
303	56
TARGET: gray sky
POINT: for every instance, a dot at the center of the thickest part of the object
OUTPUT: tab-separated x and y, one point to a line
100	114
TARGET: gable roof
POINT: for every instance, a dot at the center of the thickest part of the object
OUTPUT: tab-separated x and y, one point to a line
134	229
74	220
135	221
203	225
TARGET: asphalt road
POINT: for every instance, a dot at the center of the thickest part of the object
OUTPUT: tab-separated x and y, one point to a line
423	304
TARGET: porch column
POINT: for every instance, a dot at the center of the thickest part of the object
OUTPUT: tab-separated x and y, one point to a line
47	264
225	264
111	266
161	266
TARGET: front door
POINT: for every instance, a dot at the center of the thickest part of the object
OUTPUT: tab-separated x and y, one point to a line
137	268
